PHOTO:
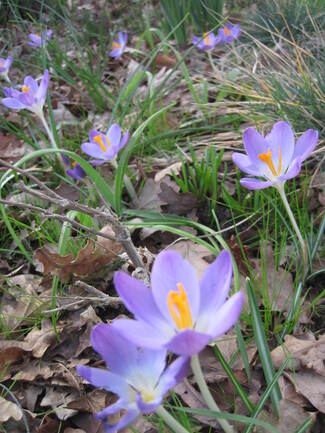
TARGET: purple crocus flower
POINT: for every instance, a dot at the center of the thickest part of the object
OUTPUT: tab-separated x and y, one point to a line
118	46
229	33
37	41
5	66
32	96
138	376
274	157
207	42
73	169
105	147
180	314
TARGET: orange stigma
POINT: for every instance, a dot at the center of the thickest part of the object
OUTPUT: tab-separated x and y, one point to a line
98	139
267	159
227	31
1	63
74	164
179	308
206	38
116	45
25	89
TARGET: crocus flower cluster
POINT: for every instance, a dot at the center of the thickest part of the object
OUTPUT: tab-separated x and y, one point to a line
31	96
37	41
138	376
119	45
5	66
179	314
226	34
104	147
73	168
275	157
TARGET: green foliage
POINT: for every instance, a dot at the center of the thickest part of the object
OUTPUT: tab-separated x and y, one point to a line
205	14
292	19
201	177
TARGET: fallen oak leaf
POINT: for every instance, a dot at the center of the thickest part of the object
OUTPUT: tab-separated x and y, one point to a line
90	259
9	410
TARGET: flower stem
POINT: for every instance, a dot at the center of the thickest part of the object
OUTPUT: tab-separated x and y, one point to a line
213	66
128	185
198	374
303	245
47	129
170	420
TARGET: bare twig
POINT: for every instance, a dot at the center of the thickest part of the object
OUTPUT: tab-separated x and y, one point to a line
106	299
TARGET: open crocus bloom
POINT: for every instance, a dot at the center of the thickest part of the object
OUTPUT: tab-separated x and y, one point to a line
118	46
73	169
275	157
105	147
31	97
180	313
36	40
207	42
5	66
229	33
138	376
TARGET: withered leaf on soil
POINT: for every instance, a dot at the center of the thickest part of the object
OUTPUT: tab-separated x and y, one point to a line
311	385
90	259
177	203
11	148
305	353
9	410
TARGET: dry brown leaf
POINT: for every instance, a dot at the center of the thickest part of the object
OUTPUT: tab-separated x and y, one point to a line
73	430
291	415
194	253
162	60
311	385
90	259
11	148
58	400
168	171
177	203
305	353
9	410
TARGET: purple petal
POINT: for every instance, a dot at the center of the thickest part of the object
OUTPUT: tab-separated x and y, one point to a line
120	355
188	342
13	103
79	172
71	172
132	413
42	90
112	409
255	183
170	269
138	299
196	40
143	334
66	160
255	144
26	99
116	53
31	83
94	150
149	407
49	34
97	162
174	373
152	364
114	135
104	379
125	140
305	144
226	316
244	163
35	40
10	92
293	170
236	31
282	137
213	289
93	133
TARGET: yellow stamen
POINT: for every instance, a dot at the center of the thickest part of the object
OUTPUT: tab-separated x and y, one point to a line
1	63
179	308
116	45
74	164
147	396
206	38
267	158
98	139
227	31
25	89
